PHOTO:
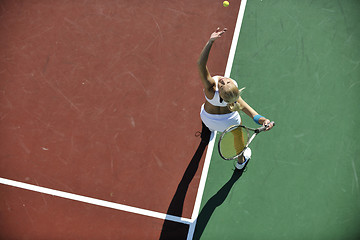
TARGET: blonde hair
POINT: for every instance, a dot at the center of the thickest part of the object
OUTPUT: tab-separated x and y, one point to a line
234	93
229	93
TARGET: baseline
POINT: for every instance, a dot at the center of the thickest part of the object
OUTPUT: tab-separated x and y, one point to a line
94	201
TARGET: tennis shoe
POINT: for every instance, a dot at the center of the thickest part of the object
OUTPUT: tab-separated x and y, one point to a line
247	156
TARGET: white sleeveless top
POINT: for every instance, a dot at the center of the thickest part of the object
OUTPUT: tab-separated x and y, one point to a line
216	100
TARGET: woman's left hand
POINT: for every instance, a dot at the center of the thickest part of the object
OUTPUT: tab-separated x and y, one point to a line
215	35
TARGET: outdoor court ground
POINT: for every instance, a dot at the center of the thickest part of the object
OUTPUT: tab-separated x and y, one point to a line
99	109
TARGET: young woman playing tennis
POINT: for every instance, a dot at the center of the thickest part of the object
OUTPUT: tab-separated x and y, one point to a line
223	100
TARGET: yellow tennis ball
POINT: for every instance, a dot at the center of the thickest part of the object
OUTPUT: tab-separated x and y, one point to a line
226	3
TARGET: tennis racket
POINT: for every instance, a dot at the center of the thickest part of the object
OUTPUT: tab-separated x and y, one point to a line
235	139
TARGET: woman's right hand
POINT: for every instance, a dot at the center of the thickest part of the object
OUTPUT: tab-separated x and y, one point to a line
215	35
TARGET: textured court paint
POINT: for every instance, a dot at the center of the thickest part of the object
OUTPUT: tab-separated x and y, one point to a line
97	104
300	62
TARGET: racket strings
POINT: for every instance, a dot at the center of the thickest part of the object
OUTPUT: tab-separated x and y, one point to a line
239	142
233	142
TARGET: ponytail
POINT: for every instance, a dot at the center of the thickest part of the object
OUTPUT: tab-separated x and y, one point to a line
236	106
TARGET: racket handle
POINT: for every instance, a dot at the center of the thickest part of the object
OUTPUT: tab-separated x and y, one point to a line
261	129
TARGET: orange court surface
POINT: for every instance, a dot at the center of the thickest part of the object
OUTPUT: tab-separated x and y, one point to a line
100	101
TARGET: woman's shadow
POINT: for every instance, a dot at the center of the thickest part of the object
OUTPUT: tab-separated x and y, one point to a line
173	230
214	202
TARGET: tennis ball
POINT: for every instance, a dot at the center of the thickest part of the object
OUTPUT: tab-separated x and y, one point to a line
226	3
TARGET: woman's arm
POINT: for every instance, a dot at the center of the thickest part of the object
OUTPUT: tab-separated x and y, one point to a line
206	78
252	113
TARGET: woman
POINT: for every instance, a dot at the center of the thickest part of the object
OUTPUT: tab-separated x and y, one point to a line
223	100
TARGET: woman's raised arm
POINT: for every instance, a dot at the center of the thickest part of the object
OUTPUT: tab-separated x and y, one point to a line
206	78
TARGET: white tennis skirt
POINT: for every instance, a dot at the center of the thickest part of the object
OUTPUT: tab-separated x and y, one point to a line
219	122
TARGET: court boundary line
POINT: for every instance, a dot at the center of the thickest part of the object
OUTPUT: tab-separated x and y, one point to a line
210	148
94	201
235	39
203	177
213	136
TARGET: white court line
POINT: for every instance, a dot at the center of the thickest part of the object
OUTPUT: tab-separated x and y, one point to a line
94	201
203	177
210	148
235	39
201	188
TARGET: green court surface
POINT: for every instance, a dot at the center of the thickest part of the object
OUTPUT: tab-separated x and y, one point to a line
300	64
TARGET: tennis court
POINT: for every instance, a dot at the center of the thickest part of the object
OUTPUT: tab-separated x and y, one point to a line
100	104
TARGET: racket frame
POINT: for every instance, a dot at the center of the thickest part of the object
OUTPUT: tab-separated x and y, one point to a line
229	129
